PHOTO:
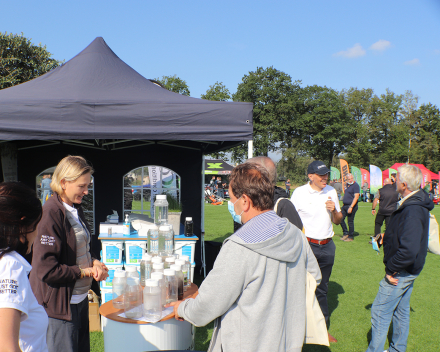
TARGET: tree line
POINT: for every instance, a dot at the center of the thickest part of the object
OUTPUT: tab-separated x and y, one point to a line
300	122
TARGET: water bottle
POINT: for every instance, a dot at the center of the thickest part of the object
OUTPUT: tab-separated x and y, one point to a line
158	267
161	278
170	285
188	278
163	229
189	227
118	289
153	240
169	261
179	275
132	271
146	268
169	240
161	210
126	226
133	298
152	300
185	267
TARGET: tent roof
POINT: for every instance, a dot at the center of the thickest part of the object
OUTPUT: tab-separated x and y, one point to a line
217	167
96	96
422	167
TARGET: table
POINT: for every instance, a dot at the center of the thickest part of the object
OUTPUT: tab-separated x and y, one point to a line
122	334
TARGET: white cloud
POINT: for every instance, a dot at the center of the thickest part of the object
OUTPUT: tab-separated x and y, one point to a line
381	45
356	51
412	62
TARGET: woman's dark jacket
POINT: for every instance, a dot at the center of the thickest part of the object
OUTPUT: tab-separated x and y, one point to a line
54	270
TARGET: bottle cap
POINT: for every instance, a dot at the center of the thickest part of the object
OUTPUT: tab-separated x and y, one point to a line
156	260
146	257
151	283
170	259
189	219
180	262
157	275
158	266
184	257
176	267
163	228
130	269
119	273
161	196
169	272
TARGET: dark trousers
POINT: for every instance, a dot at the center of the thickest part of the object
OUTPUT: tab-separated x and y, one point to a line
325	255
379	221
350	217
70	336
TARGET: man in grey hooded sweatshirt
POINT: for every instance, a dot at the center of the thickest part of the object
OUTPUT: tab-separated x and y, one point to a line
256	291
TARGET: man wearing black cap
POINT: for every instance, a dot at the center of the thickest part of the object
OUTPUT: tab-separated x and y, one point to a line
318	206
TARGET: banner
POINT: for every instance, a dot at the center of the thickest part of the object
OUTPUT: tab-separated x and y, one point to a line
357	175
344	172
426	181
334	173
162	180
375	179
365	177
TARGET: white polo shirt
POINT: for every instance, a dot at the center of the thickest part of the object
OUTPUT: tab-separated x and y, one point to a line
310	205
16	293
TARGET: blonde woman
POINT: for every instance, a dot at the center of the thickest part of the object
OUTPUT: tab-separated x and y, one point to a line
63	266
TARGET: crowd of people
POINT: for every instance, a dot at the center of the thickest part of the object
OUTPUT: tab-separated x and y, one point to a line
256	292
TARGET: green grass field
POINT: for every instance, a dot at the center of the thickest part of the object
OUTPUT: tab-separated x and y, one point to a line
353	286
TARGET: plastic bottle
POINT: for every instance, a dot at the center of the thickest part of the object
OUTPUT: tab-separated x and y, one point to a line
163	229
188	274
118	289
161	278
126	228
133	298
169	261
169	241
152	301
189	227
157	260
153	240
158	267
146	268
179	275
170	285
161	210
185	268
132	271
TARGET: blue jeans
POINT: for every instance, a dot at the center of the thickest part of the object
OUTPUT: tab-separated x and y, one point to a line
391	303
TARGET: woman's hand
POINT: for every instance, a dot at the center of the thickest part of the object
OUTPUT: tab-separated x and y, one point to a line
99	270
176	307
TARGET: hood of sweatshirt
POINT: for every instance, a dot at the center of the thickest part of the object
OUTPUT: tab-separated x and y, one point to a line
270	236
420	198
279	193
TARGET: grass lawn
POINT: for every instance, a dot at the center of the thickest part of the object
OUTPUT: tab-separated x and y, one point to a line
353	286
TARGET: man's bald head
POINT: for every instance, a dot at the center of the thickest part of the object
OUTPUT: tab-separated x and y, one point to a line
268	164
387	181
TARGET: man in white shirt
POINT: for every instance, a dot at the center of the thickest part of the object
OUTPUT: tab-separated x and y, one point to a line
318	206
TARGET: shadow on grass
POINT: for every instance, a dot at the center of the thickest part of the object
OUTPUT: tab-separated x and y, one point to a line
222	238
334	290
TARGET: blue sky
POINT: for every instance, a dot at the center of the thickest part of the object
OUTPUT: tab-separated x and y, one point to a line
336	43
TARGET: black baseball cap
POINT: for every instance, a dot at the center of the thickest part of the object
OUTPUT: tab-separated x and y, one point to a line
317	167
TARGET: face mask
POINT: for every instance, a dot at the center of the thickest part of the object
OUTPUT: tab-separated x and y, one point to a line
237	218
375	246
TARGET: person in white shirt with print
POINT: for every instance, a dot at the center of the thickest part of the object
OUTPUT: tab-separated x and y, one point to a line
318	206
23	322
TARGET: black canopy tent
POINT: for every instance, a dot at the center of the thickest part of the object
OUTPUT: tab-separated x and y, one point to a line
97	106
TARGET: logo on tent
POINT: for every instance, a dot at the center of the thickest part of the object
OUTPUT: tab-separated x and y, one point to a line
214	165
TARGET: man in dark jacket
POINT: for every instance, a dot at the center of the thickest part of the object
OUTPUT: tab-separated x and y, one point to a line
387	197
350	207
282	204
405	245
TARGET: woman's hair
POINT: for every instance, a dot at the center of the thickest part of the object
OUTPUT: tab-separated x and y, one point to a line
20	212
70	169
253	180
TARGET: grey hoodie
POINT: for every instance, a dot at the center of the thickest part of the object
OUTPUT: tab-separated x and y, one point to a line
257	290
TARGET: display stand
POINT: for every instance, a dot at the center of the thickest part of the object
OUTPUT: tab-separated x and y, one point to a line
122	334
